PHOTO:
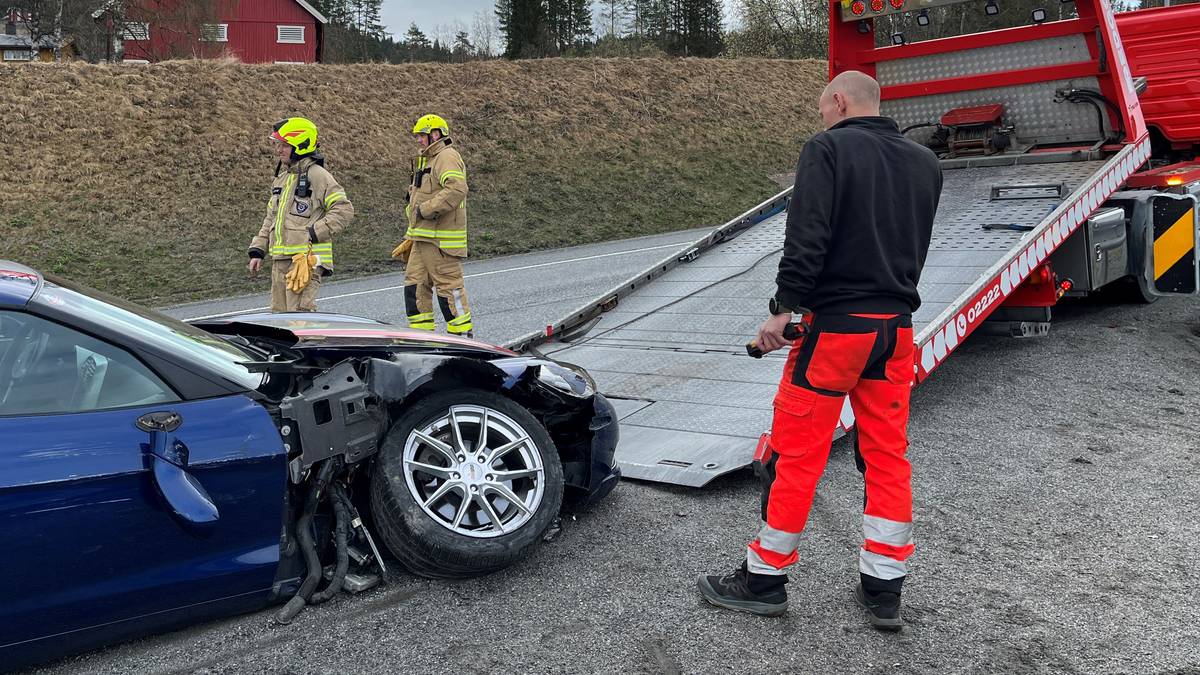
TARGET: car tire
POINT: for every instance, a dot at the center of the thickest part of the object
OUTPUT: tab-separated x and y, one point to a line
419	490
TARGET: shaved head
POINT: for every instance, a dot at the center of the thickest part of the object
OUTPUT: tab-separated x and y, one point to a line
850	94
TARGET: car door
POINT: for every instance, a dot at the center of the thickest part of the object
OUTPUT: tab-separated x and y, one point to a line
124	509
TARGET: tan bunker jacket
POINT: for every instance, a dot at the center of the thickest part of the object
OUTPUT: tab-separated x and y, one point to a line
307	205
437	204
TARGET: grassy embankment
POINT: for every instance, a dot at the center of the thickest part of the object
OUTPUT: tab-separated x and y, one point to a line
148	181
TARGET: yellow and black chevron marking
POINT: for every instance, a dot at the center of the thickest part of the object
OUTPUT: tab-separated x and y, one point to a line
1174	244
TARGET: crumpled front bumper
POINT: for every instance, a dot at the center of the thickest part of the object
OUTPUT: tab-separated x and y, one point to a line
604	474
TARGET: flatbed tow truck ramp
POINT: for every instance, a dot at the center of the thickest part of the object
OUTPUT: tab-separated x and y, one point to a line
1037	204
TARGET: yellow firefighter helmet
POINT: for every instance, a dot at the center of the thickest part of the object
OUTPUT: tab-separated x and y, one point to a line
298	132
428	123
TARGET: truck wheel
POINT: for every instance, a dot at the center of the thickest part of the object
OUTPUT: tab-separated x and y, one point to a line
466	482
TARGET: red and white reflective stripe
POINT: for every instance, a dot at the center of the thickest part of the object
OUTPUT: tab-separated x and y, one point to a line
950	331
762	561
772	550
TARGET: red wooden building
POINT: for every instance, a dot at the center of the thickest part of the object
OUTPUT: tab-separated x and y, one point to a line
254	31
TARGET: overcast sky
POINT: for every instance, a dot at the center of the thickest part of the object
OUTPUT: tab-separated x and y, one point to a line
428	14
397	14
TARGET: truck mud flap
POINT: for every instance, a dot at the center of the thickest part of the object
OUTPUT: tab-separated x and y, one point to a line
1171	267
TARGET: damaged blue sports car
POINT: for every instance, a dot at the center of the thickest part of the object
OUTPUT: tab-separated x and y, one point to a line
154	473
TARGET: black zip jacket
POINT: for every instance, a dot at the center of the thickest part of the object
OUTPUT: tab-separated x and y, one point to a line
860	220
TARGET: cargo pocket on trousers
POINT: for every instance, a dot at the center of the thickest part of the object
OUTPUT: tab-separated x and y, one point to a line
793	419
795	401
838	360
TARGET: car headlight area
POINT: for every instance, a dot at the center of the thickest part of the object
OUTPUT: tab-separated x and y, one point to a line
567	378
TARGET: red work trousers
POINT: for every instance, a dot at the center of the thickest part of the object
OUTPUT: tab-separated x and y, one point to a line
870	358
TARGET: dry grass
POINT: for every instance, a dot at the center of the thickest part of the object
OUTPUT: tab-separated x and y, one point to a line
149	181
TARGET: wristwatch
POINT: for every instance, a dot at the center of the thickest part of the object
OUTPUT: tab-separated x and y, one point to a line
777	308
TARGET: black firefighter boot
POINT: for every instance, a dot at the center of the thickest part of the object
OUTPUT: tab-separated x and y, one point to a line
744	591
881	599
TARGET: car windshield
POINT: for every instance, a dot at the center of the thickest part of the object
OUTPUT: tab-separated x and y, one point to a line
147	325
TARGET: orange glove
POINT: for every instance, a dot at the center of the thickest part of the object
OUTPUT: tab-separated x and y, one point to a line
301	273
403	250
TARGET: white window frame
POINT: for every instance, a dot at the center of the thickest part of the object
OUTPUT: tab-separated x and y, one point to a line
18	55
279	35
214	32
136	32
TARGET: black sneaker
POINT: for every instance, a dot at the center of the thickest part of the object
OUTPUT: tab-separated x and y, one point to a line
883	609
743	591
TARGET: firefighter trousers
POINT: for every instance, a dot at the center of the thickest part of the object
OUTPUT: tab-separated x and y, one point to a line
283	300
429	269
870	358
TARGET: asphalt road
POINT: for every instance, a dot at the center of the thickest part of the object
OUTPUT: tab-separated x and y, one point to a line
510	296
1056	528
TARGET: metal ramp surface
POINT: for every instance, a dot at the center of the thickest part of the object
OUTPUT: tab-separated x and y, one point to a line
671	352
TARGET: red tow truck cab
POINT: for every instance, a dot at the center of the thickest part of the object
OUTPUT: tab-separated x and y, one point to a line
1163	46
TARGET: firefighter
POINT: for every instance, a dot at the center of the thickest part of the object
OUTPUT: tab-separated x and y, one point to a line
435	241
858	231
306	208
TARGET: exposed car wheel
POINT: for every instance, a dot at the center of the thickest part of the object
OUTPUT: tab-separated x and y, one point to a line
466	482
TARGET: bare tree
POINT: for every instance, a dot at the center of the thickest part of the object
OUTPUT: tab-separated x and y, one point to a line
486	29
42	20
442	35
781	28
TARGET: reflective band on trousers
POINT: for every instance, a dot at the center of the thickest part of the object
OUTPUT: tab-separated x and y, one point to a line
881	566
460	324
886	531
778	540
772	550
755	564
421	321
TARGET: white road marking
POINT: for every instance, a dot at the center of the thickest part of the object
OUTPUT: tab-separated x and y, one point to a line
466	276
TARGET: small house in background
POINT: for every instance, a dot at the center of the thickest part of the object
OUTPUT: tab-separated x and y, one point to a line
18	44
258	31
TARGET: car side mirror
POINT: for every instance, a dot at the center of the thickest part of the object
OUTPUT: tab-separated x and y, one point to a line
168	457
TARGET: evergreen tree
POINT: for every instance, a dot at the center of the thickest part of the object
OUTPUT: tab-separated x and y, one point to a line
416	43
372	19
462	45
524	24
504	21
581	22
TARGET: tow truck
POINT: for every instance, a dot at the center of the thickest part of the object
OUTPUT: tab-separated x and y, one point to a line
1057	183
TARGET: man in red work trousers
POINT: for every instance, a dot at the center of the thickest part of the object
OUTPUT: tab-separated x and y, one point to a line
858	230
